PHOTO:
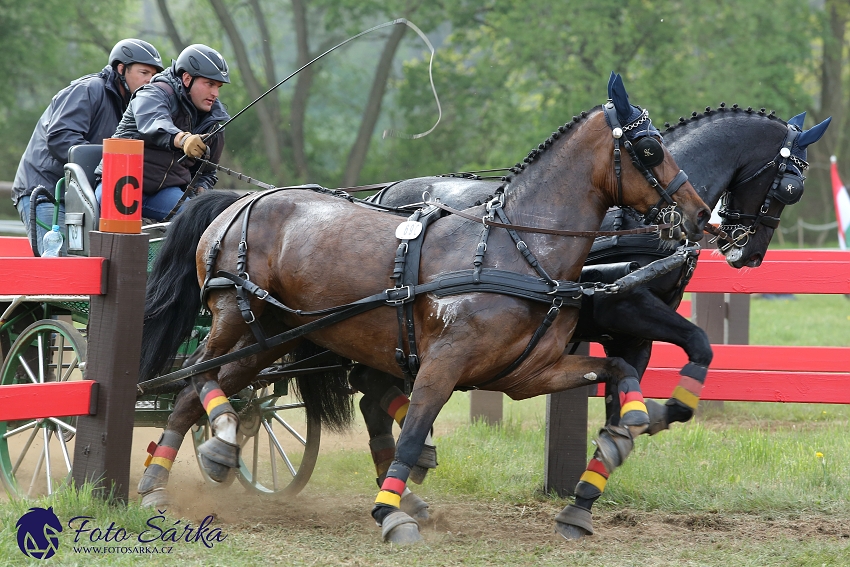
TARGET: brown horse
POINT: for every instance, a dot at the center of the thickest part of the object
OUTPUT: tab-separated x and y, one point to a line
313	251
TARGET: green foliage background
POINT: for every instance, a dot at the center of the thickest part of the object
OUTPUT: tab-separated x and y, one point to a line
507	73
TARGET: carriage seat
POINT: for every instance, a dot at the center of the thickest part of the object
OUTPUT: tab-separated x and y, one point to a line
81	209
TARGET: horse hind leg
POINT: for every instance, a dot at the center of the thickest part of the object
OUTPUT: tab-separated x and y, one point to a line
153	484
383	388
614	443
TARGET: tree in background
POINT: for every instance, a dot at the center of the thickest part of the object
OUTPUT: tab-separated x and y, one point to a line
46	45
508	72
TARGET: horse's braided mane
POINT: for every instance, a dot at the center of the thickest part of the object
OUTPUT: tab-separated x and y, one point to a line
712	111
545	144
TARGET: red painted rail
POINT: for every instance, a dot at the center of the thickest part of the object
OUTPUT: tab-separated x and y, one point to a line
783	271
805	374
755	373
50	399
22	274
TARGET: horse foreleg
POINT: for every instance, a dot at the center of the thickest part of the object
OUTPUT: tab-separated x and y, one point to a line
643	316
429	396
614	442
379	423
152	486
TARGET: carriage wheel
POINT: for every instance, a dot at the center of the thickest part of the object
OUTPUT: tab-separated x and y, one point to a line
279	444
36	454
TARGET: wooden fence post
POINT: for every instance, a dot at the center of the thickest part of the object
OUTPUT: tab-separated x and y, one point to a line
103	442
566	437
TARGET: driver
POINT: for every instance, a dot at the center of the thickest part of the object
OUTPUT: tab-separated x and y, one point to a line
85	112
174	115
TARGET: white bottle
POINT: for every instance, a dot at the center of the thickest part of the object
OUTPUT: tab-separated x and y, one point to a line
52	244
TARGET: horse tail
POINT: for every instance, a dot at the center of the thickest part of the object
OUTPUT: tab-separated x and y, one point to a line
326	396
172	298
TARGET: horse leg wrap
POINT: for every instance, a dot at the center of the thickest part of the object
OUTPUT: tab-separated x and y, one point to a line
614	444
157	469
633	412
592	483
396	404
414	506
383	453
574	522
427	460
389	498
685	398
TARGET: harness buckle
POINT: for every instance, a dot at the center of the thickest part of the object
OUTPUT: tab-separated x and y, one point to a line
391	292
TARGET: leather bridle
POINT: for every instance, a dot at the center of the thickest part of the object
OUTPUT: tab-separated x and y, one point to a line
645	156
787	188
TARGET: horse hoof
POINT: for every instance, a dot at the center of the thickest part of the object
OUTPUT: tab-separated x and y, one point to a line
401	529
569	532
427	460
220	452
414	506
157	498
574	522
216	471
657	417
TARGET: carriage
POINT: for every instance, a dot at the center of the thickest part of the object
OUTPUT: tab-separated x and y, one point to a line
43	339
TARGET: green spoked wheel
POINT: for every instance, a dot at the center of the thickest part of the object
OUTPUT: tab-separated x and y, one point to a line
36	454
279	445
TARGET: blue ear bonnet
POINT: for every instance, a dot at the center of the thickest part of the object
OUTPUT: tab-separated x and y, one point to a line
628	113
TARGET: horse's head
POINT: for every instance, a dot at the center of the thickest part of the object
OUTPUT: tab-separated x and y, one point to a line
640	162
751	209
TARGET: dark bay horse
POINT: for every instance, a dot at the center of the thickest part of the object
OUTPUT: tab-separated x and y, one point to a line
312	251
730	153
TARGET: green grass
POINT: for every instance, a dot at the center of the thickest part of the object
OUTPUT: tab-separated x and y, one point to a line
806	320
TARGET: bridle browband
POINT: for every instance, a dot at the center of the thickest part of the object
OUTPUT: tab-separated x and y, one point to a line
787	187
644	161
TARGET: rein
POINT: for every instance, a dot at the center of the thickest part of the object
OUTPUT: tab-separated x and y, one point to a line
556	232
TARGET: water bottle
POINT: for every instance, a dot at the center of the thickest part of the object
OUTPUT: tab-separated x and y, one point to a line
52	244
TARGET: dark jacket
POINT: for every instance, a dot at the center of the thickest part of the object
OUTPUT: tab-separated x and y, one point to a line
156	114
85	112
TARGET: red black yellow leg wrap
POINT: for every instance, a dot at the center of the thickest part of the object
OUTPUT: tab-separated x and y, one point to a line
632	407
688	392
383	453
214	401
159	461
592	483
389	498
395	403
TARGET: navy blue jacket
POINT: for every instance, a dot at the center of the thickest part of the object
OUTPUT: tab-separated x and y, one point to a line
85	112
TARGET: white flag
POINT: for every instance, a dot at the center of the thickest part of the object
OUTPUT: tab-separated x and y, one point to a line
842	205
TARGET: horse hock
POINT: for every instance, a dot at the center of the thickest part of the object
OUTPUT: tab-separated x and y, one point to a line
220	454
161	455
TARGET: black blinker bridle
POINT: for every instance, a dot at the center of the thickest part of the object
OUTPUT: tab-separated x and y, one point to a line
646	154
787	188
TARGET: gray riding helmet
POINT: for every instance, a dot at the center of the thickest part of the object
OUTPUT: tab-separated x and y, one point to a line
200	60
129	51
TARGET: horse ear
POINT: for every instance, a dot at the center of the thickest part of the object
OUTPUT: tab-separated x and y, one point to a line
813	134
621	99
611	83
798	120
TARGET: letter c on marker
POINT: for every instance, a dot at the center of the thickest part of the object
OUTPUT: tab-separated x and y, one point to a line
119	187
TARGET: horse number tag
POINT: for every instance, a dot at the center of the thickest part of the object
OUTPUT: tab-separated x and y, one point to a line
408	230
